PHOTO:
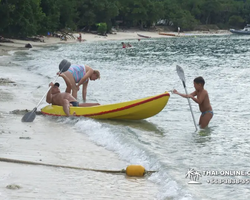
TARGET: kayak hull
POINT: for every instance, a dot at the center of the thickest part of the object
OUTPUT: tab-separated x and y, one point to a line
130	110
144	36
167	34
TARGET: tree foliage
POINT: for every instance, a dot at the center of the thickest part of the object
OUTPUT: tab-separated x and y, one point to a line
20	18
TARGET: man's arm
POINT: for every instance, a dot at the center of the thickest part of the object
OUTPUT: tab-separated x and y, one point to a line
201	97
49	95
84	91
90	71
185	95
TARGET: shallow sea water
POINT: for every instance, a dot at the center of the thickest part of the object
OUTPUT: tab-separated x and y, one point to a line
166	142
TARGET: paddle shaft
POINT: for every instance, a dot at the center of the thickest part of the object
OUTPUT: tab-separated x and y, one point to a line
184	85
48	90
30	116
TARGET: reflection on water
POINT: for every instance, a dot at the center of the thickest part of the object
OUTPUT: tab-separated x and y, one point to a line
202	135
142	125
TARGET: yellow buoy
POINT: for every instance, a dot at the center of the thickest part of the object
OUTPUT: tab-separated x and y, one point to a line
135	170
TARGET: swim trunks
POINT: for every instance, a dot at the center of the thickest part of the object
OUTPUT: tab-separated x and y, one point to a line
208	111
78	72
75	103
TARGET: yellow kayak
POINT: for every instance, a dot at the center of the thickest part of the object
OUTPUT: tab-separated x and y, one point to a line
130	110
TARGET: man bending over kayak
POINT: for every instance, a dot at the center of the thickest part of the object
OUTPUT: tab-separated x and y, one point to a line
64	99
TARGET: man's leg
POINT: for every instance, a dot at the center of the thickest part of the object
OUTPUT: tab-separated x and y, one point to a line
73	83
66	106
88	104
205	119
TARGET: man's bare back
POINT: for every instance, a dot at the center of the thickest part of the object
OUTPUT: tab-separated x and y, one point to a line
57	99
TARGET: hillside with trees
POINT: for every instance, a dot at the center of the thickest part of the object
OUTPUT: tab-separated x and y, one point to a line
21	18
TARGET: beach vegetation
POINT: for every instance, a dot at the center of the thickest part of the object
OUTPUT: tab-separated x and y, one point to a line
33	17
102	28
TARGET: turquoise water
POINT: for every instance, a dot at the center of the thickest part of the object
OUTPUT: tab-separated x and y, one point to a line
166	142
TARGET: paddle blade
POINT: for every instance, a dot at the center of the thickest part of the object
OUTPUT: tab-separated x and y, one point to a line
64	65
180	73
30	116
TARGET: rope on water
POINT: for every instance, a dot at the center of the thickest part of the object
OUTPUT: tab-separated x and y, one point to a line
68	167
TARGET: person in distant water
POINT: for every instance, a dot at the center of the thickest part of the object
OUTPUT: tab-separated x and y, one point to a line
80	75
129	45
139	39
202	99
179	29
64	99
123	45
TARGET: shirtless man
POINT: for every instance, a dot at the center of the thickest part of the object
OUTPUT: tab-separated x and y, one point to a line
202	99
64	99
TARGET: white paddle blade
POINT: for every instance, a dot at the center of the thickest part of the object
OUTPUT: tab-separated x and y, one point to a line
180	73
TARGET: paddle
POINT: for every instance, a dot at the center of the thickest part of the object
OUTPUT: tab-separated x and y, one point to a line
180	73
30	116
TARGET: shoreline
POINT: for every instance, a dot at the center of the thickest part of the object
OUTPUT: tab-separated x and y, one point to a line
6	47
51	141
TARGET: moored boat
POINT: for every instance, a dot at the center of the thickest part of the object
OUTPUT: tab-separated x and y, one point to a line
130	110
145	36
245	31
167	34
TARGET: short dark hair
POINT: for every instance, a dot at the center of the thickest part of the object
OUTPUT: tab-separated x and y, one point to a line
199	79
57	84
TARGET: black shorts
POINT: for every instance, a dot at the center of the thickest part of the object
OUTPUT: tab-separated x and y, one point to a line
75	103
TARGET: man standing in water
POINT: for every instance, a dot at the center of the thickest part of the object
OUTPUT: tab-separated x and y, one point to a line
64	99
202	99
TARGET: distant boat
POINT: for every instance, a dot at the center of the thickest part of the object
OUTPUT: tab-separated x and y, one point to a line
245	31
167	34
140	35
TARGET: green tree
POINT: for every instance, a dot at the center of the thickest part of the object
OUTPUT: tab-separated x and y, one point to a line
236	21
68	14
21	17
140	12
210	9
51	21
92	12
245	11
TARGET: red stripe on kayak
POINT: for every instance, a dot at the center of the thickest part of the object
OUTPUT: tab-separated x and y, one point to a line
130	106
53	114
118	109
